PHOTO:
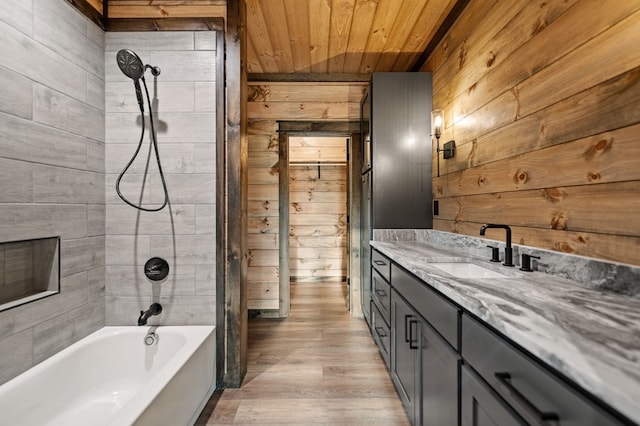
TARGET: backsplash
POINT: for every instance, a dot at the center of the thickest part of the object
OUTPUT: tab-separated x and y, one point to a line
588	272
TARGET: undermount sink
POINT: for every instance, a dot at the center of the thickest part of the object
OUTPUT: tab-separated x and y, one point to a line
467	270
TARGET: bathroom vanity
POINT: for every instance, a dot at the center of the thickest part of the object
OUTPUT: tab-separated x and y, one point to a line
472	342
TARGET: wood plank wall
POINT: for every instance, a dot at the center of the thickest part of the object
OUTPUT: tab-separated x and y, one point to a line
318	208
541	98
263	271
267	104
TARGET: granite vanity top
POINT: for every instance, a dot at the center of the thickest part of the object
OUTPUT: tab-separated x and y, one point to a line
590	336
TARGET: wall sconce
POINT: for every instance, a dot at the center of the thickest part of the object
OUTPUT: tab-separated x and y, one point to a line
449	148
436	123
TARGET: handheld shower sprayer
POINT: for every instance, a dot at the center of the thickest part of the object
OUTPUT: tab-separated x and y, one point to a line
132	66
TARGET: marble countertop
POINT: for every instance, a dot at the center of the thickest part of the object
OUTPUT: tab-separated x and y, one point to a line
590	336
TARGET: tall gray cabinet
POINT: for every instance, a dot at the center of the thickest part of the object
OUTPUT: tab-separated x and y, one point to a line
396	173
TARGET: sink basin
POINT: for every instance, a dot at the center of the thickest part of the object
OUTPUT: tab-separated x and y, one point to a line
467	270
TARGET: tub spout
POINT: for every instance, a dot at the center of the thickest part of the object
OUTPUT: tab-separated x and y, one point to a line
154	309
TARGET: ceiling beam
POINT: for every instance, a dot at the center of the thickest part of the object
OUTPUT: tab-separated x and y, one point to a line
162	9
453	15
165	24
312	77
88	10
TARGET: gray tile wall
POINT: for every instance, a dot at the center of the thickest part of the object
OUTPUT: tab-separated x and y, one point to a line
52	170
184	234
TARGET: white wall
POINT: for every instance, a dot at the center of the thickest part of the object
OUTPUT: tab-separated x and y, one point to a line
52	169
183	234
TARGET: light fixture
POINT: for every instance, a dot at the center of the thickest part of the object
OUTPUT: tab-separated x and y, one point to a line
436	123
449	149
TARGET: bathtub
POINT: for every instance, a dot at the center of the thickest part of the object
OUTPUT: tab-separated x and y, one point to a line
112	377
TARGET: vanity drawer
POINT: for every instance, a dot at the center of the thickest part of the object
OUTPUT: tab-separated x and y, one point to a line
381	334
528	387
439	312
381	295
381	264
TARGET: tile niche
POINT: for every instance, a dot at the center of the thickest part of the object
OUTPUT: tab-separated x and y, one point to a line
29	270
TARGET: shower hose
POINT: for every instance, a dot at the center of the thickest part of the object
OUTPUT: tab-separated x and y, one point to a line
154	143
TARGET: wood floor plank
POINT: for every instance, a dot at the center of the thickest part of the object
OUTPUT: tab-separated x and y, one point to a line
317	367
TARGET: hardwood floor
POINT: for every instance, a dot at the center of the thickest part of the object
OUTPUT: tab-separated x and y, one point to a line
319	366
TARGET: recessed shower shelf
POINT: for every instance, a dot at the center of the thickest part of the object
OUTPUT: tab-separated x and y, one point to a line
29	271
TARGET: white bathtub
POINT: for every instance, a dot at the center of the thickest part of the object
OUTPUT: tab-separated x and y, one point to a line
112	378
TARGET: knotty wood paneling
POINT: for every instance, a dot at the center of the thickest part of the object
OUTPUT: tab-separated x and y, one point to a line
317	215
546	121
346	36
321	236
263	216
305	101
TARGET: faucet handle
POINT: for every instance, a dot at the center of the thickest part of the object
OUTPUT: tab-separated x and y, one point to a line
525	264
495	254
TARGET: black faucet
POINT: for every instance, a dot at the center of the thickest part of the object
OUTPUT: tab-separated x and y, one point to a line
508	251
154	309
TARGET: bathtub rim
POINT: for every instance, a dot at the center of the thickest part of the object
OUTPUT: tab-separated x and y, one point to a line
134	408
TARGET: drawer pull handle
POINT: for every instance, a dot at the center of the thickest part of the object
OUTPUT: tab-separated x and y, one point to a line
380	332
542	416
381	293
411	340
406	328
379	262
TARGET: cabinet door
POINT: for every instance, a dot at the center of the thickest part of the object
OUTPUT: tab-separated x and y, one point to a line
439	379
381	334
401	150
405	355
381	294
480	406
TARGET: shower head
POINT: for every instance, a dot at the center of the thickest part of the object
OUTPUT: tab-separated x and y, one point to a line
130	64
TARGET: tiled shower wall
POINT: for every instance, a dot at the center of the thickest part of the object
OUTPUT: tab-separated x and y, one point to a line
52	170
184	233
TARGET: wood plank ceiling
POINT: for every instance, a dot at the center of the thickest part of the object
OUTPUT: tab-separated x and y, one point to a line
340	36
298	40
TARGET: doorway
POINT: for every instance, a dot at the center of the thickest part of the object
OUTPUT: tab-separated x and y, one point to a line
271	254
318	210
319	195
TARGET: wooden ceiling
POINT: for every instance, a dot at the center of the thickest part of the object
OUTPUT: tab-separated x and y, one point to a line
340	36
298	40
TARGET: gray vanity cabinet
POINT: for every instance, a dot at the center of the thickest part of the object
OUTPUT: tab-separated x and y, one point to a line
424	363
381	304
451	368
395	126
520	385
405	358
